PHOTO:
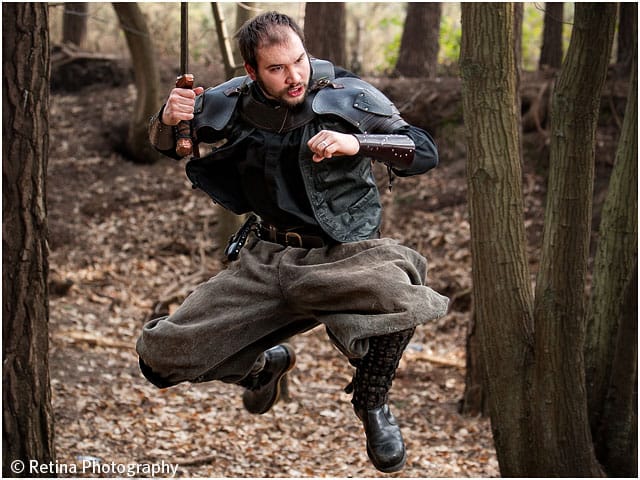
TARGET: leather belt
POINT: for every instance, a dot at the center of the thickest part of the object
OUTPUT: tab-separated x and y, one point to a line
270	233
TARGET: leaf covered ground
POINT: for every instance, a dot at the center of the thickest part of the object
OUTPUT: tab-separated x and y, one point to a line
126	239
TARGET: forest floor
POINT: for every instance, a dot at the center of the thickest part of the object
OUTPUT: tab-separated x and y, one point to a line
125	238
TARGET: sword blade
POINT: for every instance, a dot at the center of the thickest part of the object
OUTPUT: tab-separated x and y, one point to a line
184	37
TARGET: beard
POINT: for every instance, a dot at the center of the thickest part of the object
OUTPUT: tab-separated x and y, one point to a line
283	97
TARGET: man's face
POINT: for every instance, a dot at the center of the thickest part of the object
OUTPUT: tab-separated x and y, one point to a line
283	70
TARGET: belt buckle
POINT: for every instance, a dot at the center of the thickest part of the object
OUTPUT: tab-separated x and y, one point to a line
295	235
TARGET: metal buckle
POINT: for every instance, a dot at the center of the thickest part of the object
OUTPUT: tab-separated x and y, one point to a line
293	235
273	234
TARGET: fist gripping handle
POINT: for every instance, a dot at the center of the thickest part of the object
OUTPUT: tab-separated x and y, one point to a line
184	144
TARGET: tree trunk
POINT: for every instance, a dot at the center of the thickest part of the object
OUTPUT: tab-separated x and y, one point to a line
474	400
627	35
551	51
224	40
420	42
517	42
502	292
617	251
74	22
561	427
27	427
325	31
617	446
147	81
244	12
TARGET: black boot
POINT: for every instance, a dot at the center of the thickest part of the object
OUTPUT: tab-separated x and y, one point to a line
264	382
371	384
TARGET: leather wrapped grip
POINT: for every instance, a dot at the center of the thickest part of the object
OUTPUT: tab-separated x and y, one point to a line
184	144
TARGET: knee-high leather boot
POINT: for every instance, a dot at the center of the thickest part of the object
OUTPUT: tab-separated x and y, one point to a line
371	383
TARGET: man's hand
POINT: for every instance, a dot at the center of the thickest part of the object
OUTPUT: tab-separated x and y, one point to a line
327	143
180	105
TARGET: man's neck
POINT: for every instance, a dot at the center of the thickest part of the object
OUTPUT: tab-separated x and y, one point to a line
261	96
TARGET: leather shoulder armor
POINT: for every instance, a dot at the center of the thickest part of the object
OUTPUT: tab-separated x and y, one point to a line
357	102
214	107
323	71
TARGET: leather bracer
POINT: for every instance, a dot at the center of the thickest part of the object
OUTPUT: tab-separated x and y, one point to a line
396	151
161	136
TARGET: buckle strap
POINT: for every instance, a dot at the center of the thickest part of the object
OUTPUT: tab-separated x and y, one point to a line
270	233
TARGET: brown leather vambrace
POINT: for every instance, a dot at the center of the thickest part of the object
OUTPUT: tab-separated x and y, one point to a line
161	136
394	150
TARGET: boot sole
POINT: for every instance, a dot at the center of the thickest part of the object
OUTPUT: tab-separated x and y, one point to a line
393	468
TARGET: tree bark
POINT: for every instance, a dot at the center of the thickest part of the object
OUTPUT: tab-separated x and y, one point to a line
627	35
325	31
244	12
560	422
474	400
518	18
615	257
551	51
420	43
147	81
27	427
617	445
74	22
501	285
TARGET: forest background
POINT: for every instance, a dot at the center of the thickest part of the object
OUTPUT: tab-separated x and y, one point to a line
129	241
380	25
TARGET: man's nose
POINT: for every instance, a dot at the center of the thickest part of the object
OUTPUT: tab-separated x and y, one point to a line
293	76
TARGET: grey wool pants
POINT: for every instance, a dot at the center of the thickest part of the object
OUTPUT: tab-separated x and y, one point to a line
356	290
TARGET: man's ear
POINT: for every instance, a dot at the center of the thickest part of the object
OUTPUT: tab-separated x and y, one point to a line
250	71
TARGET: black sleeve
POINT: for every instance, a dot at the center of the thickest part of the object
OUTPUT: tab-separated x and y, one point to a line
342	72
426	153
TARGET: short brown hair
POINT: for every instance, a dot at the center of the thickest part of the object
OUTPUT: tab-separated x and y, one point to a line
264	30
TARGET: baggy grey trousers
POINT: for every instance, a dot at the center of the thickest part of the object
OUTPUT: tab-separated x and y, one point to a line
356	290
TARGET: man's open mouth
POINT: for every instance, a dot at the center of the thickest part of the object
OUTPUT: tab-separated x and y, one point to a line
296	91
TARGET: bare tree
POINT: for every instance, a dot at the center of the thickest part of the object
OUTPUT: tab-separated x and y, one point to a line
74	23
420	43
612	373
560	308
627	35
551	51
147	81
325	31
27	427
244	12
496	212
537	394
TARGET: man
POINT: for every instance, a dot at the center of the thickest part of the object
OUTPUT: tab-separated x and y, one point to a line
292	142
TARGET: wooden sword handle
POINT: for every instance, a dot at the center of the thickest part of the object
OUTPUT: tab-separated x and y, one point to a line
184	144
